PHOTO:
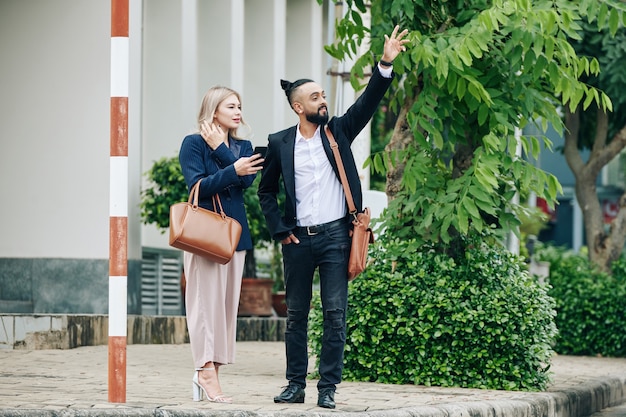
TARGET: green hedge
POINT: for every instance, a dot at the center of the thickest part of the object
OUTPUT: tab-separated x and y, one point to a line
591	305
474	320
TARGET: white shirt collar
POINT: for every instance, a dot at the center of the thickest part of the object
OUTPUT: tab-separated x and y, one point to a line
299	136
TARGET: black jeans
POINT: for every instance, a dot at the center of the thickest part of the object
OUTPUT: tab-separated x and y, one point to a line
329	251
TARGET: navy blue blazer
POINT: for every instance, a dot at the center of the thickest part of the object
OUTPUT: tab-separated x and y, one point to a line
216	169
279	159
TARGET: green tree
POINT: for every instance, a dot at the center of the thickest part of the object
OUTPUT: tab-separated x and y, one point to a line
476	72
592	127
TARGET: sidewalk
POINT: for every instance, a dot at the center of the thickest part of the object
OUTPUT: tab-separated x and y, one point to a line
74	383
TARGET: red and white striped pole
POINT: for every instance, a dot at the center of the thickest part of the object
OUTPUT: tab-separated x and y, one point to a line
118	205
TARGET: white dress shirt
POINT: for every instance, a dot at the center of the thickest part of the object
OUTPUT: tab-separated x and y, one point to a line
319	194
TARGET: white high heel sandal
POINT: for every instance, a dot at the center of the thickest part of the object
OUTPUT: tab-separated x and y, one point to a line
198	389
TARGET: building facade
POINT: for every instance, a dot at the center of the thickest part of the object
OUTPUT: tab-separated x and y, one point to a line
55	130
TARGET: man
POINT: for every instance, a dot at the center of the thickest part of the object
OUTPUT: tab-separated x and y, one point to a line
314	228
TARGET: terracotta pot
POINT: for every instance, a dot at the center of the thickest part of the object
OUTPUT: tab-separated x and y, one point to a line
256	297
278	302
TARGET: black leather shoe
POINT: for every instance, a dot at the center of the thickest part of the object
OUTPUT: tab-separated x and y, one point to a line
291	394
326	398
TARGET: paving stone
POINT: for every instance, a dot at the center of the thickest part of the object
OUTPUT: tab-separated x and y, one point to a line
74	382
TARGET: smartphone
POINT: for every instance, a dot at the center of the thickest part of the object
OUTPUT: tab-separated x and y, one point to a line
260	149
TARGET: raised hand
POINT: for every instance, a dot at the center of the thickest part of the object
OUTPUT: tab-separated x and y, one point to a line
213	134
394	44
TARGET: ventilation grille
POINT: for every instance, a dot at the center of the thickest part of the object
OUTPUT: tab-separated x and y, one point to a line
160	282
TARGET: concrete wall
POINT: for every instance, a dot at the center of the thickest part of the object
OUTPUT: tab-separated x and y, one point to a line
54	163
54	133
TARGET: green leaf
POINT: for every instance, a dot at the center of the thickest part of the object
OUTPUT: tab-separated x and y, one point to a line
360	5
465	55
451	82
483	113
473	47
614	21
356	17
378	163
602	14
442	66
469	205
588	100
461	88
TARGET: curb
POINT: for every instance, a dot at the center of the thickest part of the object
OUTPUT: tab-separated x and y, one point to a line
578	401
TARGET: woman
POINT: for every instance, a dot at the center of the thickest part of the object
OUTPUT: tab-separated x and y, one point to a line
226	166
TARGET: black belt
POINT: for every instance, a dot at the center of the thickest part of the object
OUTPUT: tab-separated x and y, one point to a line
319	228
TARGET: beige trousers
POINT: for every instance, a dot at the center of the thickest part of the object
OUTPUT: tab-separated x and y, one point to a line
211	303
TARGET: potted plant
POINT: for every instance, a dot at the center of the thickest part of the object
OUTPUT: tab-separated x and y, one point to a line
263	242
256	292
278	290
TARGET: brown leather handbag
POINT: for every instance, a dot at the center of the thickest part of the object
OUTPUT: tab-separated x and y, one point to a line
362	234
203	232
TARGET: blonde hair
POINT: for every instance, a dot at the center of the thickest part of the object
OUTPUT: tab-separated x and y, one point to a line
211	100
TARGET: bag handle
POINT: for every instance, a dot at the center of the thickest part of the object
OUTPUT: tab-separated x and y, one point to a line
195	195
219	203
342	171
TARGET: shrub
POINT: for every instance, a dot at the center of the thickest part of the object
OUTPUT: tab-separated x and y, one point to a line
165	186
475	319
590	304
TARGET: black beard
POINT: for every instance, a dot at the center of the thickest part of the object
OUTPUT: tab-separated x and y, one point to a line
318	118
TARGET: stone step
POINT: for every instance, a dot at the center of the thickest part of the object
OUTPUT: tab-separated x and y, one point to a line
68	331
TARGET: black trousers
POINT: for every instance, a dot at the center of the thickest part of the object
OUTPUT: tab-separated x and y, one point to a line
328	250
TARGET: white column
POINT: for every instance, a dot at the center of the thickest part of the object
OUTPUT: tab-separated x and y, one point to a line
134	127
189	61
279	41
514	242
577	225
330	63
316	41
304	50
264	104
236	37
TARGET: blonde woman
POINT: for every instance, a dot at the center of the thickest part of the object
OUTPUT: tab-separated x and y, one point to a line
226	166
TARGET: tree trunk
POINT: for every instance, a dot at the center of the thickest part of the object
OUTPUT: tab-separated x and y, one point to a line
401	138
604	245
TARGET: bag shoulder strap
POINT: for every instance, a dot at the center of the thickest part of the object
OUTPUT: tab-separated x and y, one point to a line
342	171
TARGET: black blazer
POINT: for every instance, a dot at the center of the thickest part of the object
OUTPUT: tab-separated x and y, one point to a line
279	160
